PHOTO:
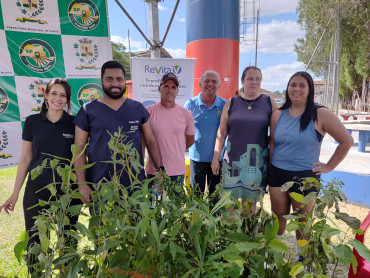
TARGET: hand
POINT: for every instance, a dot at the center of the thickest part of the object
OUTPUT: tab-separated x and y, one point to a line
85	191
322	168
215	165
9	204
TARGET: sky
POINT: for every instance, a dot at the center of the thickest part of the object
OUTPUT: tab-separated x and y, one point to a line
278	31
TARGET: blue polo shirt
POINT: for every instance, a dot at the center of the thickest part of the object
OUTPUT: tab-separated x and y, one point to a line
206	121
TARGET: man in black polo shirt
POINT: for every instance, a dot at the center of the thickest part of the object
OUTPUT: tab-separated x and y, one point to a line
98	117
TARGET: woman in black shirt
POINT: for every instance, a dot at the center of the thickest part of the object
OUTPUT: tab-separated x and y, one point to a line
49	132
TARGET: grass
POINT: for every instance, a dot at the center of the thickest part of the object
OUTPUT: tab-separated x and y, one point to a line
12	226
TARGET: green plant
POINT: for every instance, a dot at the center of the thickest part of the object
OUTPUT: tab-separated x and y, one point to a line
130	231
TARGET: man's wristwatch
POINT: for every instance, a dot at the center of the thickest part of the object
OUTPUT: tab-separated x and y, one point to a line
160	168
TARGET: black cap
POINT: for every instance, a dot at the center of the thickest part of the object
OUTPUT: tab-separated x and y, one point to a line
169	76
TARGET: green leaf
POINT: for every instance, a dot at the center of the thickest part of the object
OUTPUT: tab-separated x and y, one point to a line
353	222
309	197
19	249
278	246
41	226
247	246
298	197
155	230
292	226
361	249
44	242
144	226
344	253
296	270
173	250
308	275
120	258
54	163
83	167
64	200
74	210
271	230
286	186
64	258
237	237
109	244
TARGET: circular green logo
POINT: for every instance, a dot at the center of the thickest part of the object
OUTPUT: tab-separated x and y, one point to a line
4	101
88	93
83	14
37	55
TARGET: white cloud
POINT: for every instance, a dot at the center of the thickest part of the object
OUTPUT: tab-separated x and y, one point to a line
269	7
277	77
176	53
274	37
181	19
134	45
162	8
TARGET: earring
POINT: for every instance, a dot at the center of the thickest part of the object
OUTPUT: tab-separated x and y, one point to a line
46	103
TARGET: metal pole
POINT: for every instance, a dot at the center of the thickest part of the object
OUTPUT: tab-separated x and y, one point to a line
327	83
338	56
154	29
169	24
258	20
129	45
133	22
334	77
317	45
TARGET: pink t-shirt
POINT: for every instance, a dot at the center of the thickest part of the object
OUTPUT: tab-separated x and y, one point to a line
169	127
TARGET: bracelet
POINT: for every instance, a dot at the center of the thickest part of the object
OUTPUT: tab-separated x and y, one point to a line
329	168
160	168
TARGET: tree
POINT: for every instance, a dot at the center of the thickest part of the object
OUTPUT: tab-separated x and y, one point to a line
120	55
354	42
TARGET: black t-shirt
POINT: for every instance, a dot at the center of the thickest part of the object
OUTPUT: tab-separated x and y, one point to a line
48	138
98	119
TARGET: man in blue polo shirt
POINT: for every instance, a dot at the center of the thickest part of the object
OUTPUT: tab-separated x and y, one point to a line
206	109
98	117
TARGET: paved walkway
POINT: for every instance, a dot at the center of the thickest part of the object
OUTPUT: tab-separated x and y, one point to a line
355	162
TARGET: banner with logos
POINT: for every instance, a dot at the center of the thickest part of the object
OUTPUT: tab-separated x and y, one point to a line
147	72
40	40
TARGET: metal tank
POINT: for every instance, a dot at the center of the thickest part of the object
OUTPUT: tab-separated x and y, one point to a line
212	37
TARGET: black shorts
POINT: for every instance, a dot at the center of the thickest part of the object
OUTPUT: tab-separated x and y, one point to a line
277	177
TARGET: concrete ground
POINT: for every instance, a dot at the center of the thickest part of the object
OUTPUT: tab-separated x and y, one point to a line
355	162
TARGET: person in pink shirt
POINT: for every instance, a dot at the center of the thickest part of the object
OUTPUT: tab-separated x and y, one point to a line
173	129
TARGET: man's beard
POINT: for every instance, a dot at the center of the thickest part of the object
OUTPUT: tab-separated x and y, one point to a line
114	95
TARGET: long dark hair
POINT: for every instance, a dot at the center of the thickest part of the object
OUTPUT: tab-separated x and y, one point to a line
249	68
310	112
67	88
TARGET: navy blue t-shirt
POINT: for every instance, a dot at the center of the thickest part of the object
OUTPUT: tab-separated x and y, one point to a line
48	138
98	119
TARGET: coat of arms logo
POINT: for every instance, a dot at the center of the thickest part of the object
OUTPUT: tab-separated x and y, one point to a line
88	54
37	93
3	144
4	101
31	9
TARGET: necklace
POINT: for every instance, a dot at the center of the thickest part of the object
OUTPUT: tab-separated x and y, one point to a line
249	104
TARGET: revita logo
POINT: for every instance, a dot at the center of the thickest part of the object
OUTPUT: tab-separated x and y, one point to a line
162	69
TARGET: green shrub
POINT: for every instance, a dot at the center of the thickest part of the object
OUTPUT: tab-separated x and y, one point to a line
180	235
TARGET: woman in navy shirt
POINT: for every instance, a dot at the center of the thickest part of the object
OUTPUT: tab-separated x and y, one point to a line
49	132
